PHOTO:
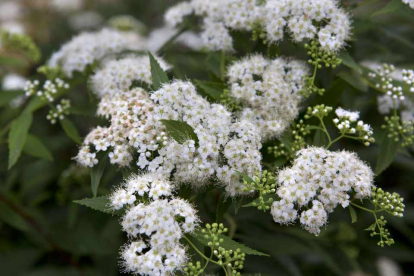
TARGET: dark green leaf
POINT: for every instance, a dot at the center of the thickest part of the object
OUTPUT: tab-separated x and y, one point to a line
245	177
36	148
180	131
223	207
159	76
392	6
100	203
18	135
320	139
353	214
12	218
388	151
355	80
228	244
286	141
7	96
212	90
348	61
96	174
70	130
371	227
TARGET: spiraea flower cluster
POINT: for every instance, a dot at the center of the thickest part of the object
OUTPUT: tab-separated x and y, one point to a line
319	180
269	90
315	19
116	76
60	112
50	88
348	124
385	81
89	47
155	222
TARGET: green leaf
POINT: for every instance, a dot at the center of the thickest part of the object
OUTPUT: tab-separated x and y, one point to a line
227	244
372	227
354	79
320	139
353	214
70	130
159	76
180	131
286	141
392	6
18	135
96	174
36	148
245	177
100	203
9	216
349	61
388	150
212	90
7	96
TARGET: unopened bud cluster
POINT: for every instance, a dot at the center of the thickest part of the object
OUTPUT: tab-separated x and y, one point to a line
399	130
408	78
60	112
318	111
318	57
385	236
265	185
50	88
392	203
299	131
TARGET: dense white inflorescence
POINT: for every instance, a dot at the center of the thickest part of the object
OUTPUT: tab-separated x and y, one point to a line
322	20
323	179
116	76
269	90
154	226
89	47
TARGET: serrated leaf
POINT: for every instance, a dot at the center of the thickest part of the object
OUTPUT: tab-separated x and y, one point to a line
100	203
256	202
7	96
36	148
392	6
96	174
70	130
180	131
228	244
349	61
388	150
355	80
18	135
353	214
159	76
212	90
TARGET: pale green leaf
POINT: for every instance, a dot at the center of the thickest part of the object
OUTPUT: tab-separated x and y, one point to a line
100	203
212	90
70	130
388	151
353	214
180	131
18	135
36	148
159	76
96	174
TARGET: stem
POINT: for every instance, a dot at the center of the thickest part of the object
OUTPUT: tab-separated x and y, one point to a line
199	252
324	129
336	140
362	208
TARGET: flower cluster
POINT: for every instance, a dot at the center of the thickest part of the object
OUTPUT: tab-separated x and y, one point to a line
155	221
50	88
116	77
322	20
322	178
269	90
344	124
60	112
383	75
89	47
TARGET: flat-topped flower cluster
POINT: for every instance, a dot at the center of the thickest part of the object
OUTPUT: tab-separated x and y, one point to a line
319	180
155	222
322	20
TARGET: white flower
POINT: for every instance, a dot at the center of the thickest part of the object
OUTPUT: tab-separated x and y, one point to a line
88	47
353	116
324	178
409	2
270	91
156	225
175	14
